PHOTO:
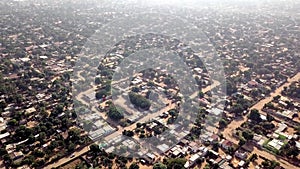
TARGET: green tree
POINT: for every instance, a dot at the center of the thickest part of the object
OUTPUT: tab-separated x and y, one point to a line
242	141
255	116
159	166
247	134
114	114
222	123
176	163
94	148
134	166
201	94
270	117
139	101
12	122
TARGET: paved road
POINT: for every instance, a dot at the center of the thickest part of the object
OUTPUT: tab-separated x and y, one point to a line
227	133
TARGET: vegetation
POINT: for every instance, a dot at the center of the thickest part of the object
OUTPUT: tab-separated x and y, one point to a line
139	101
293	90
159	166
114	113
176	163
134	166
255	116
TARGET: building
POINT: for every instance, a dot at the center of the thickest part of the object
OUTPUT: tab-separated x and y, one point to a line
241	154
276	144
226	144
150	157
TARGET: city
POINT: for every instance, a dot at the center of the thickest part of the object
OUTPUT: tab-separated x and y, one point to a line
152	100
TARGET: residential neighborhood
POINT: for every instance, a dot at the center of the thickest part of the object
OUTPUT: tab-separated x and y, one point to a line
153	100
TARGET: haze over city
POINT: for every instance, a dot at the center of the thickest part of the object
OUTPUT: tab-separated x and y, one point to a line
149	84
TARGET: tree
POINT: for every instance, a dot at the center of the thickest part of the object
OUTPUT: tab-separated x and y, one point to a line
237	109
97	80
138	125
176	163
254	93
255	116
135	89
12	122
114	114
139	101
94	148
74	136
253	157
270	118
38	153
247	134
268	125
222	123
159	166
134	166
71	147
100	94
42	136
247	75
168	81
276	98
128	133
242	141
230	87
2	151
201	94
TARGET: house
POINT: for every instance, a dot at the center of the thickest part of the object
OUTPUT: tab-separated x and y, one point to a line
193	147
257	137
151	157
276	144
281	127
241	154
4	135
282	103
252	84
215	111
214	138
16	155
225	166
241	163
163	147
226	144
177	151
214	154
183	142
2	124
30	110
192	160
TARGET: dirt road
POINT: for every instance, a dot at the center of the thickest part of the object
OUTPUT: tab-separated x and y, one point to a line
269	156
227	133
68	158
259	105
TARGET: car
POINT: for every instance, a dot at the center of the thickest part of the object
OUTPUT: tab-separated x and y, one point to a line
73	155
